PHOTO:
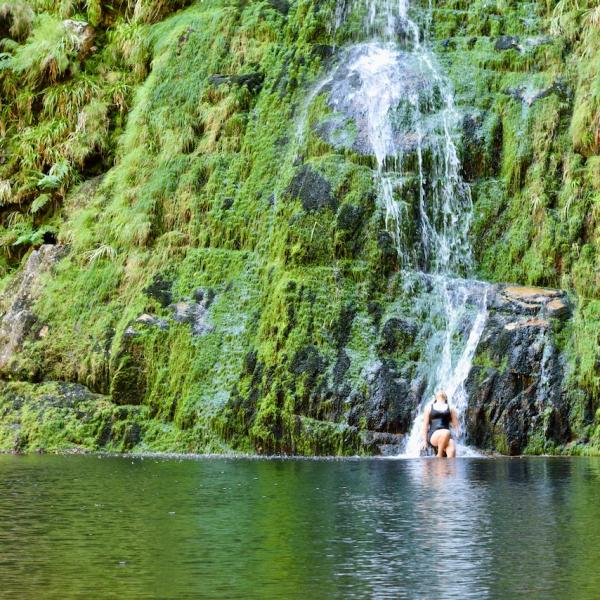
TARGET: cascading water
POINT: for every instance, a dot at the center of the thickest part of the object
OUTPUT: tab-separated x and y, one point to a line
389	85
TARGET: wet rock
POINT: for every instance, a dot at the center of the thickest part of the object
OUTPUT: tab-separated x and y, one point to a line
558	309
312	189
16	304
397	334
523	300
390	403
516	395
308	361
253	81
323	51
384	444
474	144
204	296
83	34
340	131
529	96
194	313
347	95
507	42
128	382
151	321
340	368
389	254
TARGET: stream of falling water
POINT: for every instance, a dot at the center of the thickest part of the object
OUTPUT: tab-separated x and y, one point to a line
388	82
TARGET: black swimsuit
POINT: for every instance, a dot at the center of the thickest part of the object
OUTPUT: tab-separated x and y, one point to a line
438	419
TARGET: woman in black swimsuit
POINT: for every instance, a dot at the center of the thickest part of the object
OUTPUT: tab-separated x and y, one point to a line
436	426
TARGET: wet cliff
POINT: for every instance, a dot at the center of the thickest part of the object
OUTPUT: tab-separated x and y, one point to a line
195	257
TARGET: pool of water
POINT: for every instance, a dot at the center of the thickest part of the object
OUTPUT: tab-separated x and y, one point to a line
114	527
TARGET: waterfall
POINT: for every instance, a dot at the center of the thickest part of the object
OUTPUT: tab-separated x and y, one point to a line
388	82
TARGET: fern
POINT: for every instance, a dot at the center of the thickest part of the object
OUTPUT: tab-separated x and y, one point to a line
56	177
40	202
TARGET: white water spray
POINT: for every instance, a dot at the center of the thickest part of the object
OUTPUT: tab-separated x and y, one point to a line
388	83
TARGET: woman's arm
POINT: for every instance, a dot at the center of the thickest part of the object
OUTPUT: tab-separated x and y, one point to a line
455	423
425	427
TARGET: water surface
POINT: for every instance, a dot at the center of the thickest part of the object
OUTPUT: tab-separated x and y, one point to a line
111	527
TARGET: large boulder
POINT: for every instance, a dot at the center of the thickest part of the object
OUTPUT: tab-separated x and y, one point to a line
515	388
17	319
312	189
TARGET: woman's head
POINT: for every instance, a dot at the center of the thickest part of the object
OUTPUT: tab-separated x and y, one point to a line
441	396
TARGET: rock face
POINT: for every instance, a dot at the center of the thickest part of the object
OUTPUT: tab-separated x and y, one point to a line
516	385
250	163
18	319
312	189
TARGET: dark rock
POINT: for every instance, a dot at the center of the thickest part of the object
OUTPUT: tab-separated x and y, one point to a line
343	324
340	368
323	51
185	36
308	361
17	302
507	42
338	130
384	444
349	218
253	81
283	6
387	248
194	314
385	243
250	361
390	403
227	203
529	96
204	295
160	290
558	309
312	189
397	334
131	436
517	398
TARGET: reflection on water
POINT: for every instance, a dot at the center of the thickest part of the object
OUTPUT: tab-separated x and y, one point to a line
89	527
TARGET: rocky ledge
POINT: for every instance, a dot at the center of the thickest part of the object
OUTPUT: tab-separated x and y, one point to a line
516	387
